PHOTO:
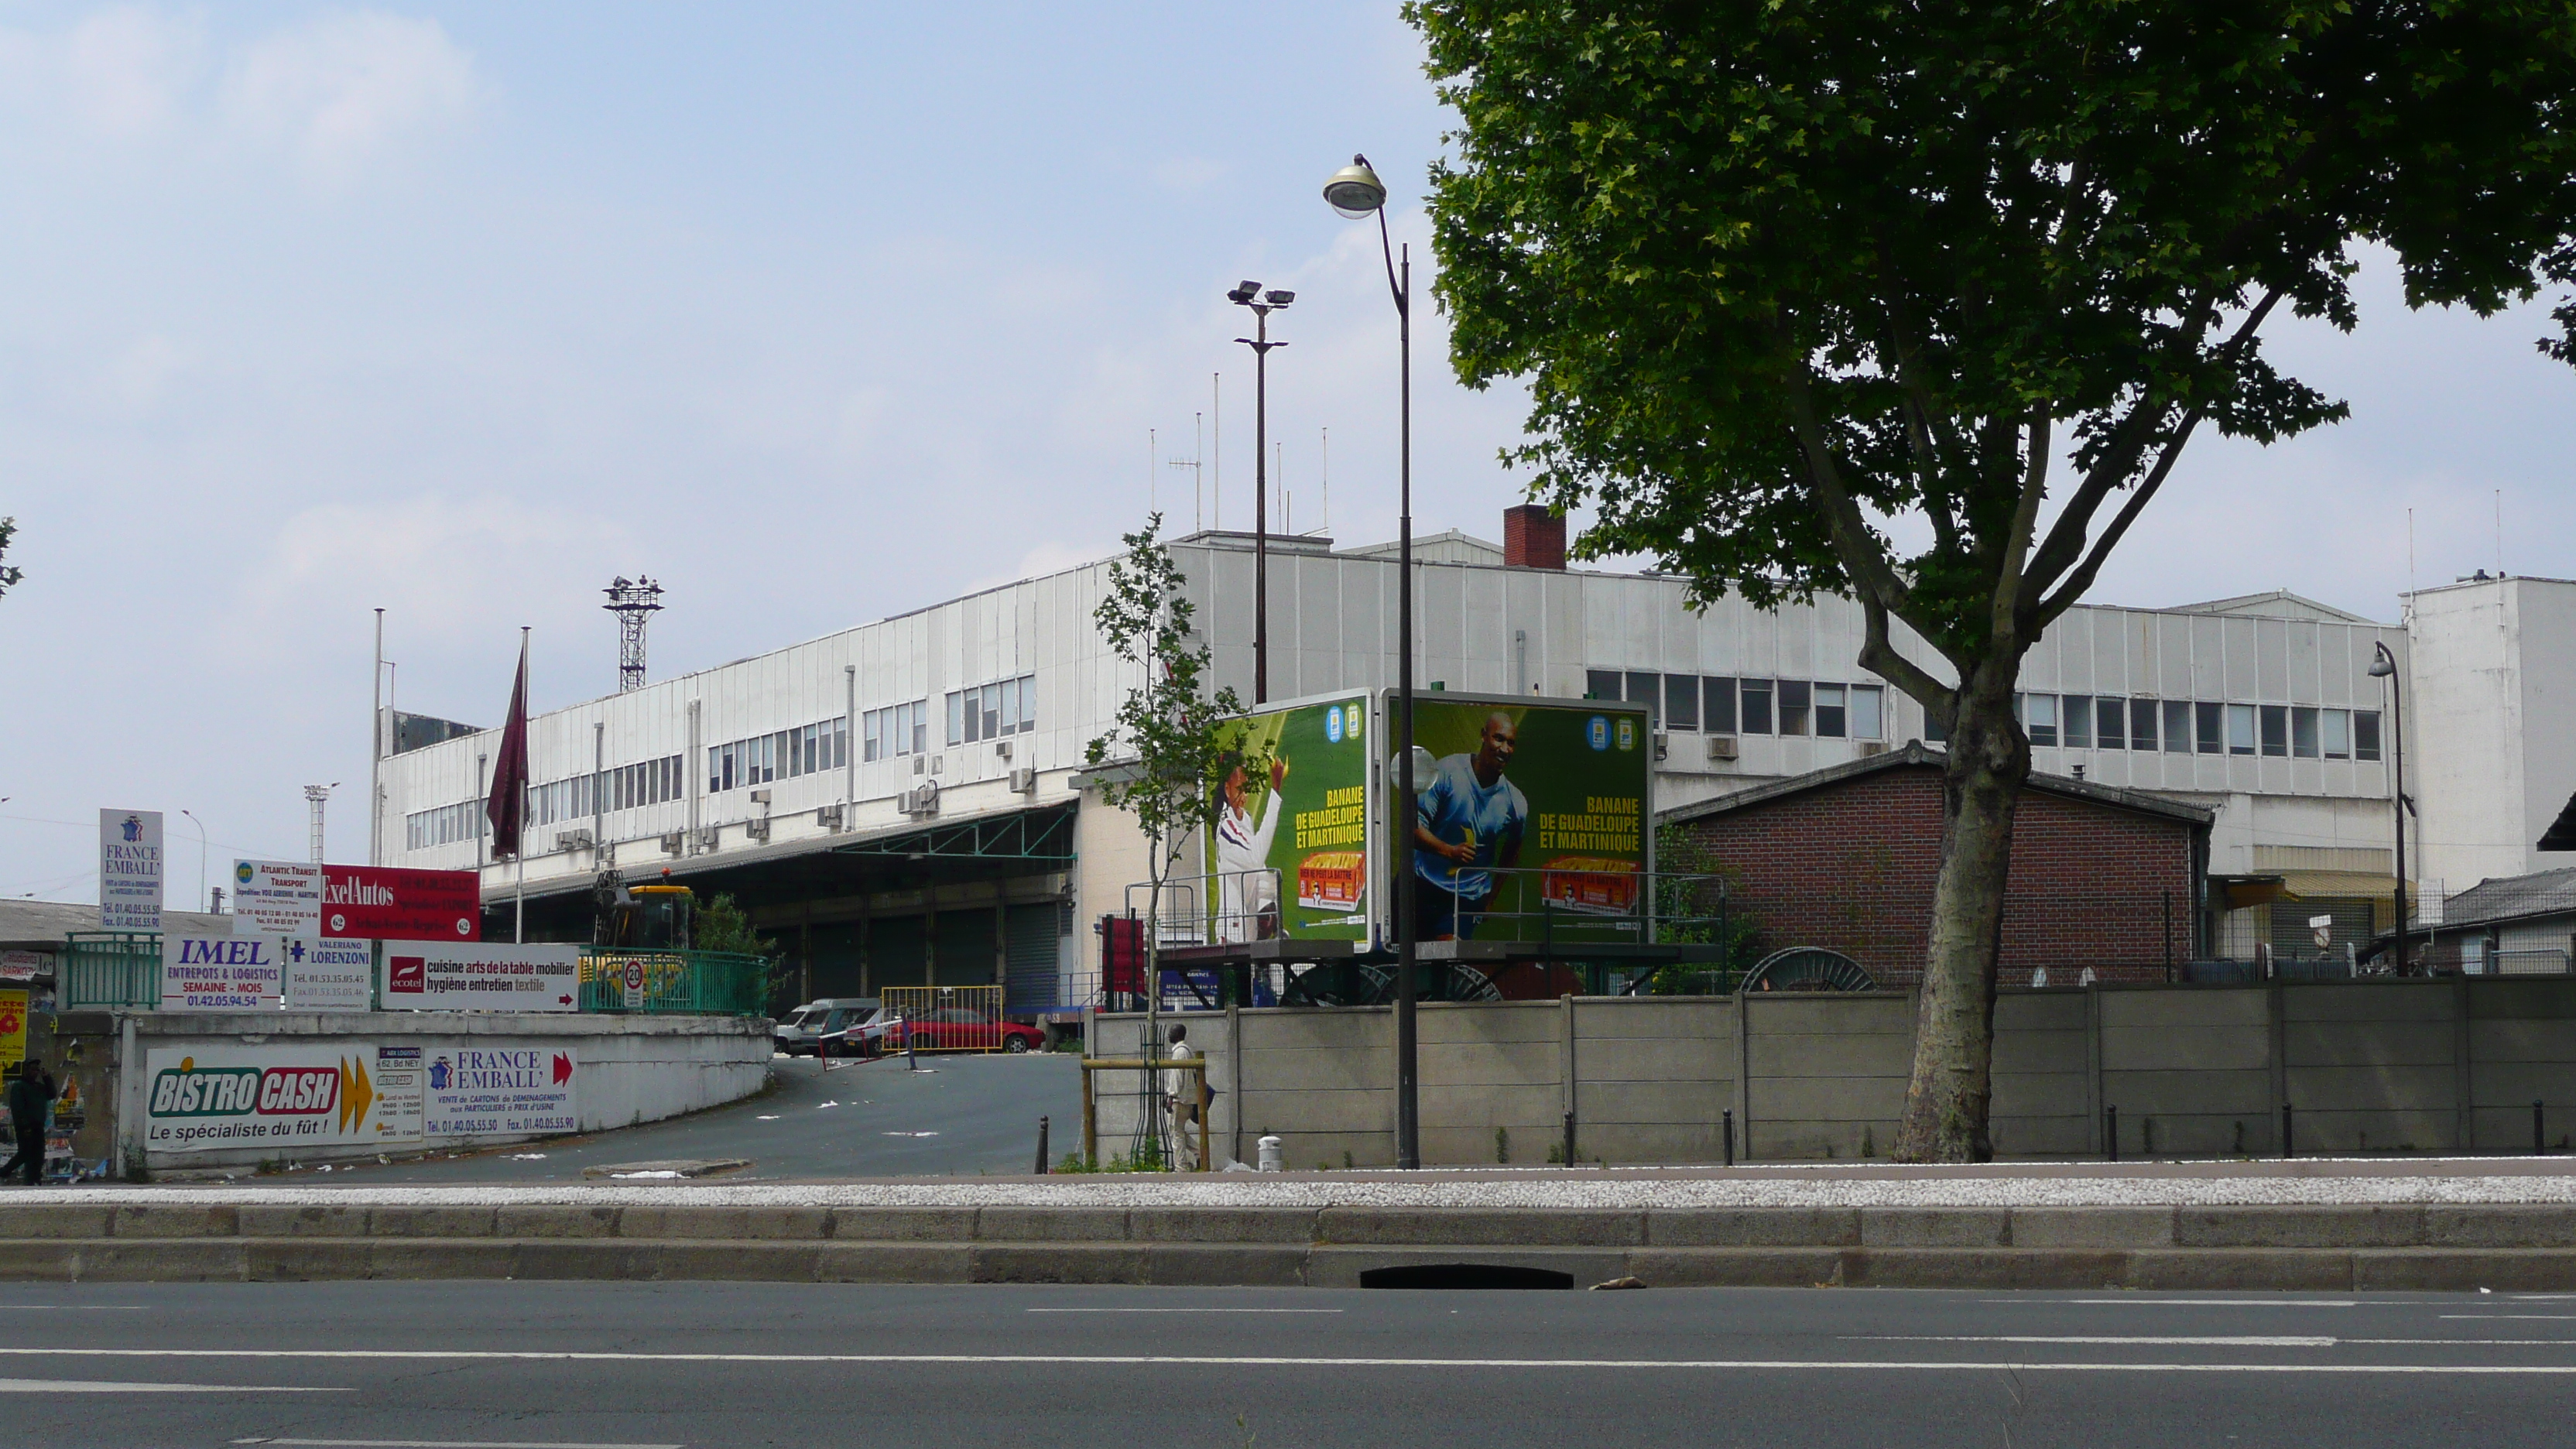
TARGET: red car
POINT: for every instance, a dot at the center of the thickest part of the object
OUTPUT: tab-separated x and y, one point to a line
961	1029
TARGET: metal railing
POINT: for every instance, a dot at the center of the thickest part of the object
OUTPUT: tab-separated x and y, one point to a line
675	983
1568	902
110	968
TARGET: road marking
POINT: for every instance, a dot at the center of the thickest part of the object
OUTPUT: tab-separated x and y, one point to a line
2514	1317
2277	1341
95	1386
1175	1360
2197	1302
1185	1310
449	1444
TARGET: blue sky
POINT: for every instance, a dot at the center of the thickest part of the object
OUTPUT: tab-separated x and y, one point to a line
815	314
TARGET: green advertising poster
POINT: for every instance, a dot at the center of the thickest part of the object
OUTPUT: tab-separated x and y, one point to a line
1533	821
1289	855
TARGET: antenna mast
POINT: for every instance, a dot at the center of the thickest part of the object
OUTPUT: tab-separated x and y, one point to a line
1198	468
634	605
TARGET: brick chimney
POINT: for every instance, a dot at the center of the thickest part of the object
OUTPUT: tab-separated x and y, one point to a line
1533	538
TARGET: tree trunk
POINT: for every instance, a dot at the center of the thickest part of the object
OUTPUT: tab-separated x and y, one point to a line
1954	1017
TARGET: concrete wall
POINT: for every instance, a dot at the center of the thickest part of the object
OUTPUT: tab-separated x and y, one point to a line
2417	1065
627	1069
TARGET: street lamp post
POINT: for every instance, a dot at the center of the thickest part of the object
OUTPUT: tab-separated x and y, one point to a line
1249	294
201	857
1355	192
2384	666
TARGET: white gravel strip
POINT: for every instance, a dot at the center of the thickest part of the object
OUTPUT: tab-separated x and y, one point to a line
1536	1192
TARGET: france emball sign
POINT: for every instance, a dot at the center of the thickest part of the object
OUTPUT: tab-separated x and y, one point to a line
475	1092
368	902
441	976
129	870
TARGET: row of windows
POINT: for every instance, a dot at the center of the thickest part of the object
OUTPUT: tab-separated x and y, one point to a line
1726	705
993	711
647	783
2186	726
783	755
443	826
897	729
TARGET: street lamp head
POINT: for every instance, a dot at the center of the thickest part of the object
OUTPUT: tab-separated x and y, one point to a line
1243	293
1355	190
2383	664
1277	298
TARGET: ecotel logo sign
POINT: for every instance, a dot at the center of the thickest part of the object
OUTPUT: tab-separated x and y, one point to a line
194	1091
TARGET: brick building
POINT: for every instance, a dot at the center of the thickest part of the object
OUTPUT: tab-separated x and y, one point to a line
1845	857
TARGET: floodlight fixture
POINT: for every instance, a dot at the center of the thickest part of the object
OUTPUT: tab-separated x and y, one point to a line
1277	298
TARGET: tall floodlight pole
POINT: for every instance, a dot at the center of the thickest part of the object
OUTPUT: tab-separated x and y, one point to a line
634	604
2384	666
376	754
317	796
1249	294
1355	192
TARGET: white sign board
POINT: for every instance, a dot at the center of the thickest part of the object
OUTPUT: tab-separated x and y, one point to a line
220	973
480	976
400	1075
280	898
216	1095
630	977
324	974
506	1091
25	965
129	870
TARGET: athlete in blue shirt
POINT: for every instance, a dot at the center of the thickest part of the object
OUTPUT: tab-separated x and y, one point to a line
1468	821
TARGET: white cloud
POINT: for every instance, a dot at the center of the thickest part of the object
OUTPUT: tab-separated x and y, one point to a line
450	569
124	72
343	87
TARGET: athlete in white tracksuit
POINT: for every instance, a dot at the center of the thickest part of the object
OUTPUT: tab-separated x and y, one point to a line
1247	885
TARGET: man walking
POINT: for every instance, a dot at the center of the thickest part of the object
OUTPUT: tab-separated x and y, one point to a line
30	1098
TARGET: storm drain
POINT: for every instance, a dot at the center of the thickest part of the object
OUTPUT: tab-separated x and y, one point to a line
1464	1275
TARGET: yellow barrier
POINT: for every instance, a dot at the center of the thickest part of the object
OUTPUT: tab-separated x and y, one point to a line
944	1018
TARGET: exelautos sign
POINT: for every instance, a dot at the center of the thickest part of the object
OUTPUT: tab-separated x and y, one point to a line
216	1095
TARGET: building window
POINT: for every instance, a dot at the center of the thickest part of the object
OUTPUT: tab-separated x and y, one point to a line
2108	719
1832	718
1793	706
2178	726
991	711
2076	721
2303	732
895	730
2211	723
2334	726
2240	729
1681	701
2276	729
1934	732
1757	706
1600	684
2365	734
1719	697
1868	712
2039	718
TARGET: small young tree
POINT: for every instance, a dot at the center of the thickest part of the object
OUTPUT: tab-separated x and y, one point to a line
1167	751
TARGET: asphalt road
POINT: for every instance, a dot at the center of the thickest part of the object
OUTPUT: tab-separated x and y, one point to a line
959	1114
695	1364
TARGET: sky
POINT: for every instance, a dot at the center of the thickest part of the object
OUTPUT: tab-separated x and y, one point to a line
814	314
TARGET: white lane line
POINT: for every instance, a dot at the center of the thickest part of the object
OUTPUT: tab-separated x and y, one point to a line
1185	1310
95	1386
1175	1360
2274	1341
2193	1302
2513	1317
450	1444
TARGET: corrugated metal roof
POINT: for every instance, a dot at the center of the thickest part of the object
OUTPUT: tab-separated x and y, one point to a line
2545	893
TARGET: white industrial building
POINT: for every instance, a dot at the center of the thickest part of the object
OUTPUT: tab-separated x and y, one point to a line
900	802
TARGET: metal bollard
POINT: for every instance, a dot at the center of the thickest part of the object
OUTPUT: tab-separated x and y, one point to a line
2111	1132
1569	1139
2289	1146
1726	1129
1042	1147
911	1063
1270	1156
2539	1138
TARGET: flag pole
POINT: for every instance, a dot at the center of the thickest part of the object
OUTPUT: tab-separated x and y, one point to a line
519	905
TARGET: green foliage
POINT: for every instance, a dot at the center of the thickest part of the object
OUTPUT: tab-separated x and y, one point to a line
1687	912
9	573
1147	1156
1780	271
1167	741
723	925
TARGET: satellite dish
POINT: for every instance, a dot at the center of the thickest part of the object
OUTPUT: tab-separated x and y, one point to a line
1808	968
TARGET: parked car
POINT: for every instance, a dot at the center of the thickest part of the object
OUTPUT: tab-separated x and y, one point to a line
801	1033
961	1028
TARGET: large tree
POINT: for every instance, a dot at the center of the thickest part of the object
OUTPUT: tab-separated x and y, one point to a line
1920	303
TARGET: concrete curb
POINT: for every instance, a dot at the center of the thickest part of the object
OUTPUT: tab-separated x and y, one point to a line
2343	1249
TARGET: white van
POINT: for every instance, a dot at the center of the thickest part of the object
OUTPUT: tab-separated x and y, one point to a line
798	1034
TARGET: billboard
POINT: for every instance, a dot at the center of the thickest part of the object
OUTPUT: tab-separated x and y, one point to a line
379	903
1534	818
322	974
501	1091
220	973
278	897
129	870
1290	852
215	1095
442	976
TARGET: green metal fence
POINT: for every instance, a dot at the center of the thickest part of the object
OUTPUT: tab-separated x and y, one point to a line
111	968
710	983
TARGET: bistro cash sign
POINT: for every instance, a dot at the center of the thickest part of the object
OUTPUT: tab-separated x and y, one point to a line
219	1096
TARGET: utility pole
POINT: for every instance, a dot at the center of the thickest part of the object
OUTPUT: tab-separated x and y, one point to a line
1249	294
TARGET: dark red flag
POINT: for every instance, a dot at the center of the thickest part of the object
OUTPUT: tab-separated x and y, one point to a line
506	807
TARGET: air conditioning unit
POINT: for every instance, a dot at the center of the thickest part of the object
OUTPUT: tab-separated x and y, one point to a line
1879	747
756	828
572	840
1721	747
675	842
711	837
831	817
1002	748
1663	744
1024	780
921	799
